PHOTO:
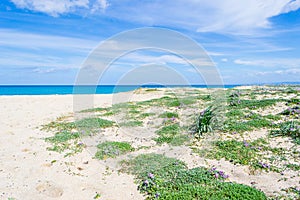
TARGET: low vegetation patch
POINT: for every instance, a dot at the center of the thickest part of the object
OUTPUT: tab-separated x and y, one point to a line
67	134
112	149
65	141
160	177
144	115
59	126
289	129
132	123
255	104
92	125
247	123
234	151
168	115
171	134
95	110
243	153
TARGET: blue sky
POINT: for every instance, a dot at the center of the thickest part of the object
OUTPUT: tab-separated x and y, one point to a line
46	42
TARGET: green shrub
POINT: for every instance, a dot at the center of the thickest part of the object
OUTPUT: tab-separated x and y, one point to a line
171	134
255	122
255	104
133	123
234	151
161	177
112	149
291	111
62	136
168	115
65	140
203	122
290	129
91	125
59	126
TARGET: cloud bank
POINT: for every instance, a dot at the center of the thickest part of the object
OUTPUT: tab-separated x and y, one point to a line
239	17
59	7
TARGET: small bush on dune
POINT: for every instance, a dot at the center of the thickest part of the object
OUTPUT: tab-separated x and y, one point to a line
112	149
290	129
160	177
203	122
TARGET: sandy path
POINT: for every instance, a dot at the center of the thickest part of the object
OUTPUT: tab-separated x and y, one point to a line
26	171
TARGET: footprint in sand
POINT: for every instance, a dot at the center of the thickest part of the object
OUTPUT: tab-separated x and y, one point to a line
49	189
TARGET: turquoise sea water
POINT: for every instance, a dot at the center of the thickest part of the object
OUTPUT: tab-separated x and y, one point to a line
100	89
69	89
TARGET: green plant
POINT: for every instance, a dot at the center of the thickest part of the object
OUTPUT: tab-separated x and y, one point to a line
97	196
167	178
294	101
203	122
65	141
291	111
112	149
293	167
133	123
66	138
143	164
234	151
63	136
59	126
171	134
188	100
91	125
205	97
234	98
235	113
152	90
173	103
94	110
253	122
168	115
273	117
244	153
290	129
255	104
144	115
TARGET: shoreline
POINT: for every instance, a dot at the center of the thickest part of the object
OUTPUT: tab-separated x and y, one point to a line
110	89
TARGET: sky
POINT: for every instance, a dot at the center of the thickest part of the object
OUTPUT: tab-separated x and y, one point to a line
49	41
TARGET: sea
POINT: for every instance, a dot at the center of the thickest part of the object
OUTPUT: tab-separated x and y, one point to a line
103	89
71	89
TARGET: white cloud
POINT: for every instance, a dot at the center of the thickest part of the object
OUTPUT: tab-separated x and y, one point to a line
37	41
136	58
43	71
224	60
292	6
210	53
146	59
58	7
231	16
291	71
283	62
99	5
38	50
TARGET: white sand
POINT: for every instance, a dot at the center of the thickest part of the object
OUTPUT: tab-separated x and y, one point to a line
26	171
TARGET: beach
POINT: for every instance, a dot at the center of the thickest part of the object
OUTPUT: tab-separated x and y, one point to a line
26	171
29	171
